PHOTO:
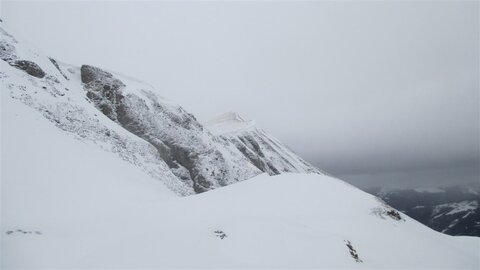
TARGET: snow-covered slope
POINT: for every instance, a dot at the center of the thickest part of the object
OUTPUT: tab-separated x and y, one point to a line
284	221
59	193
262	149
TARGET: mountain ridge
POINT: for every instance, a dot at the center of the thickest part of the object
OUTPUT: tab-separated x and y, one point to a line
185	151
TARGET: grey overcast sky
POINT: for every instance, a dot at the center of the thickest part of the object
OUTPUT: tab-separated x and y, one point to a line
356	88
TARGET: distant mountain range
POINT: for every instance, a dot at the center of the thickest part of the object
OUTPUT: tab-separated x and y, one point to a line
451	210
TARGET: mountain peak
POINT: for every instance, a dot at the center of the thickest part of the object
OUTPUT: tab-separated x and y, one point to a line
226	117
228	122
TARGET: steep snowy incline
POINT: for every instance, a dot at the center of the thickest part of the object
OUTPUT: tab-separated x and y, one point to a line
57	189
123	116
263	150
62	101
284	221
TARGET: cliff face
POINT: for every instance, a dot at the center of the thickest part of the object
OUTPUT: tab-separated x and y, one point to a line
199	159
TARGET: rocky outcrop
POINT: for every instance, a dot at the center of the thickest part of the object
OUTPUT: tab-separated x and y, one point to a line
103	89
9	55
54	62
196	157
29	67
263	150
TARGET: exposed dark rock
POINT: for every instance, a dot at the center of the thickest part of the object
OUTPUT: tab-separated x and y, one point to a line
352	251
220	234
273	170
176	134
29	67
54	62
394	214
254	144
252	156
103	89
23	232
174	155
